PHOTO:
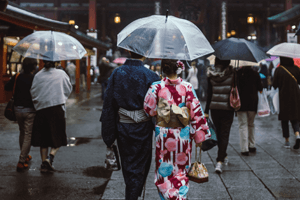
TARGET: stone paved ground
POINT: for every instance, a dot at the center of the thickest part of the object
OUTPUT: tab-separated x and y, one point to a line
80	172
270	173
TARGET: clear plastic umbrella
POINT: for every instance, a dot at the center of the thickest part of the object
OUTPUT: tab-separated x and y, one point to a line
291	50
160	36
50	45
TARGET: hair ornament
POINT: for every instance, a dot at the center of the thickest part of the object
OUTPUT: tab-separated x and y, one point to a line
180	64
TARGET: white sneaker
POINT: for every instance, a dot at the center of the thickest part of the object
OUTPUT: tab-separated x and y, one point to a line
226	160
287	145
218	168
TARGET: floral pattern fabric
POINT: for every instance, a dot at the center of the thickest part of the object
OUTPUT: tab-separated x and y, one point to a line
174	144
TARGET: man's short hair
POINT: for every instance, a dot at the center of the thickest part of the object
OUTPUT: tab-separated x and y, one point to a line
135	55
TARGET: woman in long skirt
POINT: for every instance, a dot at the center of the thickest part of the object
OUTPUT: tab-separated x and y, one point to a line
50	90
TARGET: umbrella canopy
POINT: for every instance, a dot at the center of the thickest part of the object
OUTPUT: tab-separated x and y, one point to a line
272	58
237	63
297	62
51	46
164	37
291	50
238	49
120	60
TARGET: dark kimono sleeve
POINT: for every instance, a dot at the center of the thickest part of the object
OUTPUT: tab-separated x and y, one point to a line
109	115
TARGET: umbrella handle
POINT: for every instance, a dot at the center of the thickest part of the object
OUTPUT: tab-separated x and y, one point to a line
167	14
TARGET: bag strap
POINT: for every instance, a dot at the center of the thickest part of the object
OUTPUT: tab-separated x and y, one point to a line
289	73
234	80
15	83
196	157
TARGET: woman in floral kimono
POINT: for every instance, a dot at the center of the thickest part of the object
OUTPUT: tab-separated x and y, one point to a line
179	121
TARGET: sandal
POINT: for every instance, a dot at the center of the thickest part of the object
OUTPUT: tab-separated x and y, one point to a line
29	157
21	167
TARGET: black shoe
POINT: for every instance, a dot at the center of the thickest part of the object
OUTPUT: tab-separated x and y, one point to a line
245	153
48	162
252	149
297	145
44	168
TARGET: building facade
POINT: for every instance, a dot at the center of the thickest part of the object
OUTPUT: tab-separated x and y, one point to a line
216	18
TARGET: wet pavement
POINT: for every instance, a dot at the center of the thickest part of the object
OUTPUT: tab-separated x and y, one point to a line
271	173
80	172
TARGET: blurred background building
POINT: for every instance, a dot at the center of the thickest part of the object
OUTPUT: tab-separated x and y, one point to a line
218	19
96	23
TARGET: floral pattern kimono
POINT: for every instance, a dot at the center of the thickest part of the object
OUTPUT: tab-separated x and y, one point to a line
174	144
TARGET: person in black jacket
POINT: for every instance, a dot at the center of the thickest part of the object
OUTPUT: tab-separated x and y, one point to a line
220	79
249	83
24	109
287	78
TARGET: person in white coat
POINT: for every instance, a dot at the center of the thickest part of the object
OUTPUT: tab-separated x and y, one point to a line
50	90
192	78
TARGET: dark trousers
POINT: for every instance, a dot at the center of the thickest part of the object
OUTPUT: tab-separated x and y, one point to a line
222	120
135	148
285	127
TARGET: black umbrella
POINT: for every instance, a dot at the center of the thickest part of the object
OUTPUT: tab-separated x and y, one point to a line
238	49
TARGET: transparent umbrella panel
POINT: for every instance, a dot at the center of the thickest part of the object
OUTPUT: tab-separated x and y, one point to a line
160	37
291	50
50	45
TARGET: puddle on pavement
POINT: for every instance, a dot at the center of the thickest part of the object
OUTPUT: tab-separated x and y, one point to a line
73	141
98	172
100	189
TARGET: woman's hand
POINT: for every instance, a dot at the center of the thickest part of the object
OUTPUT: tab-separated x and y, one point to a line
206	115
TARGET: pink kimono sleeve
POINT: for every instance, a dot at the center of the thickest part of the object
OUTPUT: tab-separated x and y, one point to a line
198	121
150	102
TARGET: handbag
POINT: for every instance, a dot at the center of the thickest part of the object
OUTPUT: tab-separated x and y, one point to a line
112	160
235	101
198	172
212	141
263	108
9	111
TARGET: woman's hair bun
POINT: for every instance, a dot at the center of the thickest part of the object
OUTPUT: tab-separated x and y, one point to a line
169	66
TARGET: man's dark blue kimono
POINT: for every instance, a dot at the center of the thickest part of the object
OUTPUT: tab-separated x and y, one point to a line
127	87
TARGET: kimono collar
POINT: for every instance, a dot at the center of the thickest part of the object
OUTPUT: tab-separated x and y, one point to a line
172	82
133	62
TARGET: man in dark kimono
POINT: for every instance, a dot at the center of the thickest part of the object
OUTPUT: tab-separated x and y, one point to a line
124	119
